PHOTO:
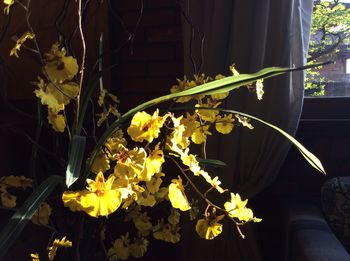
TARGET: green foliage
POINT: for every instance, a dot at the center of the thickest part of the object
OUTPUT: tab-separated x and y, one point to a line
329	34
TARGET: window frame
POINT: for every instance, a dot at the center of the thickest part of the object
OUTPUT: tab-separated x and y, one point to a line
326	108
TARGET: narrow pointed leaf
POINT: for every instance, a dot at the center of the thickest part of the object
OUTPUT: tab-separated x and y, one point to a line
217	86
212	162
75	159
21	217
311	158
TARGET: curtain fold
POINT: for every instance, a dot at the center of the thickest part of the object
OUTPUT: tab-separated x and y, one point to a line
252	34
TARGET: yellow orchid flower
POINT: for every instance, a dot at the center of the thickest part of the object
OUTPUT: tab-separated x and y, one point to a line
42	215
35	256
99	198
153	163
145	126
23	38
208	115
60	67
100	163
200	134
52	250
236	208
155	182
166	232
142	223
130	163
224	124
120	249
208	228
177	195
139	247
259	89
56	120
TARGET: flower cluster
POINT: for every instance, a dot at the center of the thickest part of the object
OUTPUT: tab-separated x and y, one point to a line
130	175
58	89
143	160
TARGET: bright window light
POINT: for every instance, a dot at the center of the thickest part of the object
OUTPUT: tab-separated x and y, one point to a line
348	66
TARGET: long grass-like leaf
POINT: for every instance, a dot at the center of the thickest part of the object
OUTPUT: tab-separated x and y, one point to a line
217	86
212	162
75	159
311	158
21	217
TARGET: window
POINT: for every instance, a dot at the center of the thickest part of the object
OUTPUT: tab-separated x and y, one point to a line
330	40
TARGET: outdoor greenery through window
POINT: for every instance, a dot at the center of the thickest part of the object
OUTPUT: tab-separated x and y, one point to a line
329	42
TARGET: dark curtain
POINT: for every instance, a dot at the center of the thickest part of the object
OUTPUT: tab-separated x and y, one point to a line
252	34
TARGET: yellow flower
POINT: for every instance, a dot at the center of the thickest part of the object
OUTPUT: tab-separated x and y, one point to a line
224	124
200	134
112	143
112	110
146	199
214	182
209	228
189	123
166	232
155	182
99	199
52	250
130	163
35	256
102	97
16	181
120	249
145	126
259	89
244	121
236	208
153	163
177	195
181	86
47	97
42	215
100	163
60	67
208	115
23	38
57	121
139	247
177	141
190	161
142	223
234	71
56	96
174	217
8	200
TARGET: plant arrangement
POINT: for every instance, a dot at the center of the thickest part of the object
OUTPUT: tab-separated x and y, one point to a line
119	178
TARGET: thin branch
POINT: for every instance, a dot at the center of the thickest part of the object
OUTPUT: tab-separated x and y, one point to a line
82	66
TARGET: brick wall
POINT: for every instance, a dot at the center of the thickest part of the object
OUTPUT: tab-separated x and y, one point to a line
149	65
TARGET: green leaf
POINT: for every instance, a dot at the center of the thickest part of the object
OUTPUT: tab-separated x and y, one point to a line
212	162
217	86
75	159
311	158
21	217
